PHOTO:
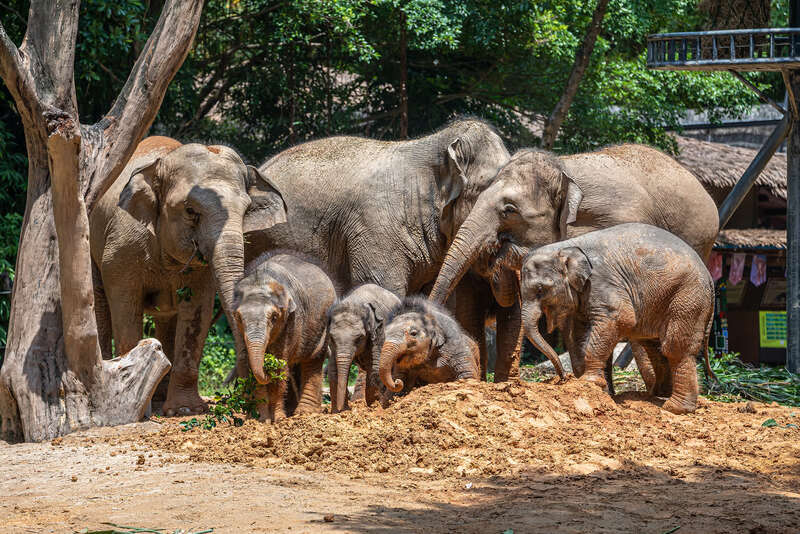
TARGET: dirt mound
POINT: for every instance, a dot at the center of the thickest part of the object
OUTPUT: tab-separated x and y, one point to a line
481	429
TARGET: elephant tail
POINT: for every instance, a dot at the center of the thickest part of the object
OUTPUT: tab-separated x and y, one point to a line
709	373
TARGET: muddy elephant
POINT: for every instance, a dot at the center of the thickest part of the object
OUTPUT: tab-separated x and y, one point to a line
538	198
282	303
386	212
164	238
355	334
632	281
427	345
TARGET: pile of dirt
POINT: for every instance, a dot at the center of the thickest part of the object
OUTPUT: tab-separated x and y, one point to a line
476	429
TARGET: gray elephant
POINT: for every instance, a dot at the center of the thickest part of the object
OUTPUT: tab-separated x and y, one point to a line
282	303
538	198
632	281
386	212
355	334
164	238
424	343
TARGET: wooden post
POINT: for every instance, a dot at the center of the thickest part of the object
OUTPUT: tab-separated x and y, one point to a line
793	218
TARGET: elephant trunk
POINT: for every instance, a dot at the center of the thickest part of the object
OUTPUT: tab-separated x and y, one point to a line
343	361
505	286
389	353
255	355
467	245
227	263
531	313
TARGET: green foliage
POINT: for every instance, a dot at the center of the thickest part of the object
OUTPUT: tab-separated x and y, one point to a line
274	368
219	357
229	407
738	381
184	294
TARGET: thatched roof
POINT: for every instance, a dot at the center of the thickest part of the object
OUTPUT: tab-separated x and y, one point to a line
720	166
751	238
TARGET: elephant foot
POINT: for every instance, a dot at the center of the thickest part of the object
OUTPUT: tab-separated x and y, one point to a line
679	408
183	403
596	379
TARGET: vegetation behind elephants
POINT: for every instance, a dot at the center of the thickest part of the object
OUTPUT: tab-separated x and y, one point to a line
265	74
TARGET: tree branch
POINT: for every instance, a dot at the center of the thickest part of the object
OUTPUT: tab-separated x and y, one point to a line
137	105
14	73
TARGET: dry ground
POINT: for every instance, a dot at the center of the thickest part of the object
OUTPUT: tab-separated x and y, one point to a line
465	457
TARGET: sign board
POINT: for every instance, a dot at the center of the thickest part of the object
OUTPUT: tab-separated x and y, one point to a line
772	329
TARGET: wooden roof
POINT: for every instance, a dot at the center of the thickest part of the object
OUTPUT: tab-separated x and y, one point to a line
720	166
751	238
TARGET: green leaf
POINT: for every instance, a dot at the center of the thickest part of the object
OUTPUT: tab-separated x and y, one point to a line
769	423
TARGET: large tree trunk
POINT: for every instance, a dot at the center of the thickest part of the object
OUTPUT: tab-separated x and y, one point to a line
54	380
582	56
403	76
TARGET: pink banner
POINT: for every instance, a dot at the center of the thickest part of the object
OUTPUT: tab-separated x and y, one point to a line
715	265
737	269
758	270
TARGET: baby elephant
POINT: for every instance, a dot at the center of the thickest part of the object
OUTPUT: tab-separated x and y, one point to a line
631	281
355	334
282	302
423	342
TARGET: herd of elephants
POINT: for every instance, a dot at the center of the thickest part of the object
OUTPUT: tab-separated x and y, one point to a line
394	255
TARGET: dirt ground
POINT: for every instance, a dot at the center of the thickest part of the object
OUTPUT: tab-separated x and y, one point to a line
466	457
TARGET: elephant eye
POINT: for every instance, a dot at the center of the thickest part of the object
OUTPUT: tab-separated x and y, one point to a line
413	332
191	212
509	208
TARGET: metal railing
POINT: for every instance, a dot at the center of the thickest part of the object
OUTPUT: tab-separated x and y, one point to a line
761	49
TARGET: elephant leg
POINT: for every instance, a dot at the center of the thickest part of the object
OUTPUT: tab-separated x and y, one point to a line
655	369
644	365
509	342
191	328
310	387
360	388
126	317
599	346
291	397
276	397
471	299
165	333
679	347
102	314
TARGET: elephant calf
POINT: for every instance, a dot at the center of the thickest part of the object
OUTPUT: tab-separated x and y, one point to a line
282	304
632	281
424	343
355	334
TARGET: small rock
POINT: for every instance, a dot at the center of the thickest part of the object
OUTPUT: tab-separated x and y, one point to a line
140	460
328	518
382	467
74	478
470	412
310	466
750	407
583	408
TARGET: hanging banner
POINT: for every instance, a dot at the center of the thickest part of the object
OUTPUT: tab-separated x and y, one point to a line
715	265
758	270
737	269
772	329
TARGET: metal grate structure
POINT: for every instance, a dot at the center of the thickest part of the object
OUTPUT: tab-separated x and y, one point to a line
740	50
737	51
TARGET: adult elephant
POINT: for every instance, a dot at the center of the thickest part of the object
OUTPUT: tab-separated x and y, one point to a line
384	212
538	198
164	238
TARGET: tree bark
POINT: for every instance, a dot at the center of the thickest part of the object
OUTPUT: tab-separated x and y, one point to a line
54	380
582	56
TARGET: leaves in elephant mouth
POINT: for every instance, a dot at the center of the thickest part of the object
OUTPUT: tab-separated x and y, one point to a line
274	367
184	294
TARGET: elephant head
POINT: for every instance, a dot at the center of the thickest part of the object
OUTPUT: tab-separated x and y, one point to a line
529	204
552	283
351	331
409	340
264	307
196	200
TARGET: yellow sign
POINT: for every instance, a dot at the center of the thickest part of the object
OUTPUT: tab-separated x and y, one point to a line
772	329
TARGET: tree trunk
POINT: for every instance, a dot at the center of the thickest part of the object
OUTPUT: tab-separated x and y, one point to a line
403	77
582	56
54	380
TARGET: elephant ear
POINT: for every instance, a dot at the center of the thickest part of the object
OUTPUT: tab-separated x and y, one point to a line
267	206
578	267
371	319
451	183
573	195
141	195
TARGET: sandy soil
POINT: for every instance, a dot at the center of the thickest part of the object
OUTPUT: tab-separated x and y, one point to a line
466	457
